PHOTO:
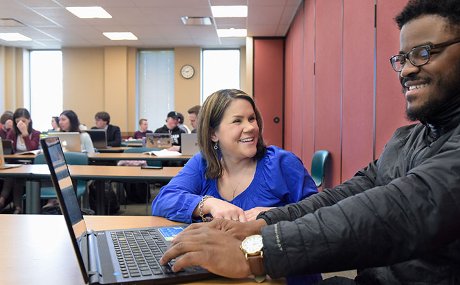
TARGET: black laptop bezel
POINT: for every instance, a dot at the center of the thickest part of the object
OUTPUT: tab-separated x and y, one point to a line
46	143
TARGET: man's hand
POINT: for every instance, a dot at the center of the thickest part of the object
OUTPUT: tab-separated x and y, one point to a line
236	229
215	250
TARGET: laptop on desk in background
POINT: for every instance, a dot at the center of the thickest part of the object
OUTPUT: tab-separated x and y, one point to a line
99	138
158	140
113	256
7	146
70	141
4	165
189	144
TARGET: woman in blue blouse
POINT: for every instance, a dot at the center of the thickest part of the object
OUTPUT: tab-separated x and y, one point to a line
235	176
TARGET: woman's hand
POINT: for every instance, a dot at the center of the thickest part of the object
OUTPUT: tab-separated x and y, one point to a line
251	214
22	127
220	209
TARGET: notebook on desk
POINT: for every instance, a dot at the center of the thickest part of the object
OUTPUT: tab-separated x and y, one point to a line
189	144
112	256
70	141
158	140
4	165
99	138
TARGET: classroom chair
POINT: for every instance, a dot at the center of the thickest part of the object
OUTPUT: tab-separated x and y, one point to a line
318	166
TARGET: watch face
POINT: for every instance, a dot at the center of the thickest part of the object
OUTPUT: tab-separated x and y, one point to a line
252	244
187	71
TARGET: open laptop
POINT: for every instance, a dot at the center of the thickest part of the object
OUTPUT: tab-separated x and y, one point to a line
113	256
189	144
99	138
4	165
70	141
158	140
7	146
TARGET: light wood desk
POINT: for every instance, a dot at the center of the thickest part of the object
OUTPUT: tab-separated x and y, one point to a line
33	173
134	156
36	249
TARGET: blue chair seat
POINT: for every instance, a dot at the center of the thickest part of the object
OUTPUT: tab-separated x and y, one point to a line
72	158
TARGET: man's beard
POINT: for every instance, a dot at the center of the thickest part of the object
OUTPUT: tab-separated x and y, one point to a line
447	98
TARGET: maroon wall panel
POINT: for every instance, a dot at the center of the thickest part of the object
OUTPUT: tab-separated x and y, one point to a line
390	103
269	86
297	86
358	86
308	114
328	82
288	121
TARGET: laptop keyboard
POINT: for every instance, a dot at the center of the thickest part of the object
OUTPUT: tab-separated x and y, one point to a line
139	253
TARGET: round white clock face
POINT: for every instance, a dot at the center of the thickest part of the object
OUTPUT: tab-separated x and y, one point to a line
252	244
187	71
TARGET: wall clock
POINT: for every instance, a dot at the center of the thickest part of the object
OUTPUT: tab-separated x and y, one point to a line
187	71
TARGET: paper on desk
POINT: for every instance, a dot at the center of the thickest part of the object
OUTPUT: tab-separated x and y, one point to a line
163	153
37	151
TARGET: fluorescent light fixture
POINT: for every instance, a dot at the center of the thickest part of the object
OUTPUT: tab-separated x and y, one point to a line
14	37
10	22
196	21
229	11
232	33
89	12
121	36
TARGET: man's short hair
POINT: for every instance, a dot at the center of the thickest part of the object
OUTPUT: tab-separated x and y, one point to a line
142	120
449	9
194	110
7	115
104	116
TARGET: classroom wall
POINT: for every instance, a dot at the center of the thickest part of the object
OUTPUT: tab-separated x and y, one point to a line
11	78
103	78
340	91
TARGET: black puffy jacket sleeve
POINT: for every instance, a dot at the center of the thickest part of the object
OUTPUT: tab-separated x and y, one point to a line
401	207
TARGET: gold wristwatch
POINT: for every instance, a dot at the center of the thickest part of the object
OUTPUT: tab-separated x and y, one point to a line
252	248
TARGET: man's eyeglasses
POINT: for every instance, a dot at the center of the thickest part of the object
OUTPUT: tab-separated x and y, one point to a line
419	55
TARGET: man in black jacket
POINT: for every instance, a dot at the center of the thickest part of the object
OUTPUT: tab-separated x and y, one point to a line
396	220
113	132
171	127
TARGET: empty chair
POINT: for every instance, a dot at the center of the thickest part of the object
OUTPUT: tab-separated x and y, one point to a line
318	166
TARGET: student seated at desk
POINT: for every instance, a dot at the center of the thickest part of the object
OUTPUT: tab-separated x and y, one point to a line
6	122
24	138
171	128
69	122
113	132
143	129
235	176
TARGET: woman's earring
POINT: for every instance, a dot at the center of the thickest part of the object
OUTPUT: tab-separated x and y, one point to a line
216	146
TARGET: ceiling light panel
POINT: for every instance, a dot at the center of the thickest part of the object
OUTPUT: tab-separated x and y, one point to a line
89	12
120	36
229	11
14	37
232	33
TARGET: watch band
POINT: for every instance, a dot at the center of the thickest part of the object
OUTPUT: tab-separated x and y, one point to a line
257	267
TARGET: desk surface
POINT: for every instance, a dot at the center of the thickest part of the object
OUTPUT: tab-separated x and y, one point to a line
135	156
39	171
36	249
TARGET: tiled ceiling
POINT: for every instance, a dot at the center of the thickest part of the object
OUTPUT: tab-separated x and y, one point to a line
156	23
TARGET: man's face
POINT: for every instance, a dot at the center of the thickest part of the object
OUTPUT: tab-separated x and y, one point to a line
428	89
171	123
100	124
192	119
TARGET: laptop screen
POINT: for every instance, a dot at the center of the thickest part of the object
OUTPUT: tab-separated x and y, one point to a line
158	140
98	137
68	202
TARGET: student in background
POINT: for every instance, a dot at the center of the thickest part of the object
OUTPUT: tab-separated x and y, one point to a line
55	124
180	123
235	176
24	138
6	121
396	220
171	128
193	116
113	132
143	129
69	122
